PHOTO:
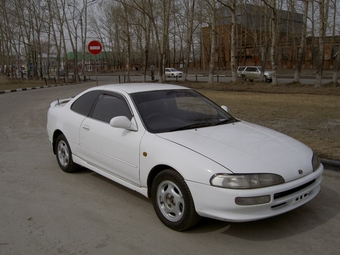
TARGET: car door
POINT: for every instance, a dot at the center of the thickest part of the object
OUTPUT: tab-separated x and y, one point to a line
251	72
112	150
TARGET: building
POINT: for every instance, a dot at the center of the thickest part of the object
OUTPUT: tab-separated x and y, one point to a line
253	39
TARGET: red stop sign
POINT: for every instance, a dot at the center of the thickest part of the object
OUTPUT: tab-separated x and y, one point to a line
94	47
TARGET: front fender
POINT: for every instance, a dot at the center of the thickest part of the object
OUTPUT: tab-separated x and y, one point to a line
191	165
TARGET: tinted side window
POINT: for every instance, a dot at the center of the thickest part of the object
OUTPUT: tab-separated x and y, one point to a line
251	69
84	103
109	106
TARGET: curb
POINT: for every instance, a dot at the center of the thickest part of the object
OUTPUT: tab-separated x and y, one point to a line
42	87
33	88
331	164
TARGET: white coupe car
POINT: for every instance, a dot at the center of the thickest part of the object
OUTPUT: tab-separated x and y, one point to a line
190	156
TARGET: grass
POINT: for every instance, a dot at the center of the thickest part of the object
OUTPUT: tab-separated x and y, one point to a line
309	114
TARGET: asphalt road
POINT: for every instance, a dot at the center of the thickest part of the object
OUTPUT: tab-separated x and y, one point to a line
45	211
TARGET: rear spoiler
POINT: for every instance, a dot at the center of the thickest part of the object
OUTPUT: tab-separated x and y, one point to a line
60	102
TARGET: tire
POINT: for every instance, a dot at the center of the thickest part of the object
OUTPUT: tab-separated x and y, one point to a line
172	201
267	80
243	77
64	155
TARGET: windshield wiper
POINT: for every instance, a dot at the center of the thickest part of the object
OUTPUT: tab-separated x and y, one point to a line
194	125
226	121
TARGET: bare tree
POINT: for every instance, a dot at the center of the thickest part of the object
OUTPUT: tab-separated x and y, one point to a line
158	13
163	46
274	36
190	6
231	5
57	20
335	58
323	8
302	48
146	22
126	36
8	28
336	67
211	4
109	26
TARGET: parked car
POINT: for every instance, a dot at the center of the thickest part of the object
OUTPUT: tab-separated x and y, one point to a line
62	72
254	73
239	71
172	72
189	155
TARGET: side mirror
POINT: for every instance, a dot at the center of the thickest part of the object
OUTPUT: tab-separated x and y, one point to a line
124	122
224	107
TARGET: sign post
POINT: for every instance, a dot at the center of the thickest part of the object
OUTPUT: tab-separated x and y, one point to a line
95	47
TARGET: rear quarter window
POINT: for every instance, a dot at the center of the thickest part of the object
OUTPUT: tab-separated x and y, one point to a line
84	103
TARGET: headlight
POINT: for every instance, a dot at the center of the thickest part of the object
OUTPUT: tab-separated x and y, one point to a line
245	181
315	162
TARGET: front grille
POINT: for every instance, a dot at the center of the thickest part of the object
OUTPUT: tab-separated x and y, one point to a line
291	191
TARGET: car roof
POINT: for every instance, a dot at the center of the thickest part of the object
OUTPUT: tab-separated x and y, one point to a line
130	88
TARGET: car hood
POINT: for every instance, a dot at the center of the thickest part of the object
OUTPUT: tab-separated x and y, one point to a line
243	147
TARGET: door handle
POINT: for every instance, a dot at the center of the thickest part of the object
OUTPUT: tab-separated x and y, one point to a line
86	127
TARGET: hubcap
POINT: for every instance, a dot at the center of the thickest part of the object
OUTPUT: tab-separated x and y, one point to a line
63	154
170	201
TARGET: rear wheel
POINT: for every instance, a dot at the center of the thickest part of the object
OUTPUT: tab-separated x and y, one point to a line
64	155
172	201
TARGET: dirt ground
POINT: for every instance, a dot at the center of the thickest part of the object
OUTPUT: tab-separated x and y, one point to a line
309	114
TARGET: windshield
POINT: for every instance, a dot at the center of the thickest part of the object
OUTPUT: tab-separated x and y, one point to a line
172	70
173	110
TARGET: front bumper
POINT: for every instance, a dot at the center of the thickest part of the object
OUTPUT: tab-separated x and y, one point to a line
219	203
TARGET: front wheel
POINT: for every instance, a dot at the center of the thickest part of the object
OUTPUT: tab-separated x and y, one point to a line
64	155
172	201
267	79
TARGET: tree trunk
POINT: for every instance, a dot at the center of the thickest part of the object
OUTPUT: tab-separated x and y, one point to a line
212	41
336	68
233	42
302	49
274	44
191	11
321	48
